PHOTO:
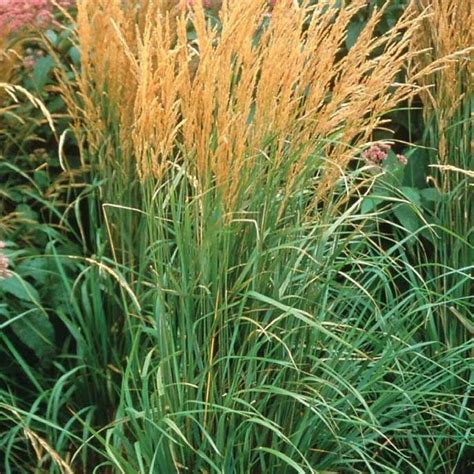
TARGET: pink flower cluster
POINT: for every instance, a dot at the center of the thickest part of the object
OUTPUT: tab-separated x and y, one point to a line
4	272
16	15
378	152
32	55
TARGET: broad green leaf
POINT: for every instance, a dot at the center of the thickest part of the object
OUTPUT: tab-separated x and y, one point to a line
35	268
41	179
36	332
416	169
353	31
52	37
75	55
41	71
27	212
19	288
431	194
412	194
407	217
370	202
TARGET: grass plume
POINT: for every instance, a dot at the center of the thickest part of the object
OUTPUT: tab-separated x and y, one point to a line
217	101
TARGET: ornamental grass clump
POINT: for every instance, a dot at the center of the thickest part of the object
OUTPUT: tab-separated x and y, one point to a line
243	318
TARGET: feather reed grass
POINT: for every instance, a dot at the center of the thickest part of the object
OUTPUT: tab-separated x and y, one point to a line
217	101
244	319
447	40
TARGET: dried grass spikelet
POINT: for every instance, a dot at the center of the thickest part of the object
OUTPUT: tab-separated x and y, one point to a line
14	91
9	58
447	40
292	86
40	446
